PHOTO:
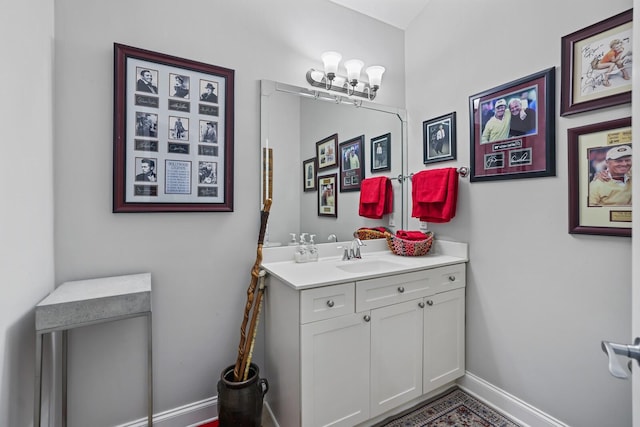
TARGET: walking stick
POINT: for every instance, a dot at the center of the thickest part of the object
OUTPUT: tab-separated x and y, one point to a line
253	328
264	216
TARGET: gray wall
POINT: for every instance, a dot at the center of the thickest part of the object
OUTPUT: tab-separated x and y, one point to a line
539	300
26	217
200	262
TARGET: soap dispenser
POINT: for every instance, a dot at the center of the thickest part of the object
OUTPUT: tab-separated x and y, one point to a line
292	241
301	254
313	249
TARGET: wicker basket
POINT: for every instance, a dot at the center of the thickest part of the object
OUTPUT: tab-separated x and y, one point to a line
409	247
368	234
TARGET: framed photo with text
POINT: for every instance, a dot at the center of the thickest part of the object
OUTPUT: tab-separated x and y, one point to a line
597	66
512	129
381	153
600	178
328	195
439	139
351	164
327	152
173	145
309	168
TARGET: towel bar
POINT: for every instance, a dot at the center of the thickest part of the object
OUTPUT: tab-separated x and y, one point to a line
462	171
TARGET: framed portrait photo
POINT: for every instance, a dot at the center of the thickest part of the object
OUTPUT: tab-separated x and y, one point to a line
327	152
160	154
512	129
596	65
328	195
309	168
351	164
600	178
381	153
439	139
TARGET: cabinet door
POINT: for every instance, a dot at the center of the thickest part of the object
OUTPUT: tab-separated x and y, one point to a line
396	355
335	371
443	339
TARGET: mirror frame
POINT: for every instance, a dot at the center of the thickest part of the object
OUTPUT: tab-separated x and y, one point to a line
269	87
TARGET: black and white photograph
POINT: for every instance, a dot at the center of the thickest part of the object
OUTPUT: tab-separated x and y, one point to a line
147	80
179	86
179	128
381	153
208	172
208	91
146	124
208	131
439	139
146	169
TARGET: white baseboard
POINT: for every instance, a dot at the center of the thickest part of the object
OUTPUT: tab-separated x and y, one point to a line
518	410
190	415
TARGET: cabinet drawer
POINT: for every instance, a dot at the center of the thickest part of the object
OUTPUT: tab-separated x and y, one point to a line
449	277
326	302
381	291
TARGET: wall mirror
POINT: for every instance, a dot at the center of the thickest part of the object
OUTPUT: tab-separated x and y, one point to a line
293	121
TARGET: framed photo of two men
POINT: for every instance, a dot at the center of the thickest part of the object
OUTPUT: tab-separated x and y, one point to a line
173	133
512	129
600	163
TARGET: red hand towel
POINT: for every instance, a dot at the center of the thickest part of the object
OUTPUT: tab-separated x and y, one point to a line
411	235
429	185
376	197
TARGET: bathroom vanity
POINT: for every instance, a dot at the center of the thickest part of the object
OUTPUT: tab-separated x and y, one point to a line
351	341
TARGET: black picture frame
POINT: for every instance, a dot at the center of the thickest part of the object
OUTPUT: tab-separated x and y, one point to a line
309	172
587	146
500	150
328	195
351	164
327	152
381	153
583	78
147	105
439	139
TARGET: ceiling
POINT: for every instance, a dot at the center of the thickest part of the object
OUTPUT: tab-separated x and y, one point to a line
398	13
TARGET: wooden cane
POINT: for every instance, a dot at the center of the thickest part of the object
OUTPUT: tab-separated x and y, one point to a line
264	216
253	329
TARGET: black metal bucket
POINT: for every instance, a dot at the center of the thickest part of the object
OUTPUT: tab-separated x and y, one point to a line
240	402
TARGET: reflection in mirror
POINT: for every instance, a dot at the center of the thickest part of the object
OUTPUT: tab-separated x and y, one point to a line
293	120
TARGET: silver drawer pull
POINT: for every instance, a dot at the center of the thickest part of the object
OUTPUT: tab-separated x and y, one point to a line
330	303
367	318
429	302
401	289
421	304
452	278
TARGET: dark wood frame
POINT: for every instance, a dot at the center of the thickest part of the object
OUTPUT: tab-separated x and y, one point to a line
573	61
313	186
448	120
507	158
577	202
348	176
330	141
333	178
386	141
126	102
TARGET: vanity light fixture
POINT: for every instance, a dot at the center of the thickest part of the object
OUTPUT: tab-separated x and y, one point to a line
351	84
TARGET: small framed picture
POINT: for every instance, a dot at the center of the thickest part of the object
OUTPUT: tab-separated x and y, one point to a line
327	152
381	153
597	66
309	174
600	178
439	139
327	195
351	165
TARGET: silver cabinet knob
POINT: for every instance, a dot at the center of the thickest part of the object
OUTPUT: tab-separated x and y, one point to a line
429	302
452	278
421	304
330	303
367	318
401	289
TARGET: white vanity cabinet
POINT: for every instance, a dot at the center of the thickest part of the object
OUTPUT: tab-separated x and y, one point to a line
344	353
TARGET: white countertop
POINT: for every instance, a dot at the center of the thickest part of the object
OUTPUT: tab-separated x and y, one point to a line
377	260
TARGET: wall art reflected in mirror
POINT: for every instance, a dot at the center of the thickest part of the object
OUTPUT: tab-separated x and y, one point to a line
293	121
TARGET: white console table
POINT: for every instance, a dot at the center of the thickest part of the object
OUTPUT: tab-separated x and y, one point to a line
88	302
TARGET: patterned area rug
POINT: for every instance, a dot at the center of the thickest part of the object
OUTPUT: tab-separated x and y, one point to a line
455	408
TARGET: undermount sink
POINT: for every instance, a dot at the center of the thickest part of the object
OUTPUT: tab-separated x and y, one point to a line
364	266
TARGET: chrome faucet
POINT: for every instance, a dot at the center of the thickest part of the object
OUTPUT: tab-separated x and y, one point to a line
354	252
332	238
